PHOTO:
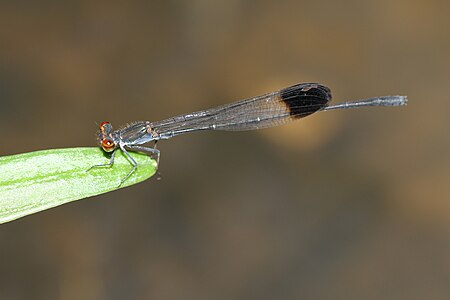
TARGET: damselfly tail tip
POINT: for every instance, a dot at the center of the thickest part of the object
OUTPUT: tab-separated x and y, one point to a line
391	101
400	100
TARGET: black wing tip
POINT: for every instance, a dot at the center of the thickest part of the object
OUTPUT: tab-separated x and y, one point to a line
304	99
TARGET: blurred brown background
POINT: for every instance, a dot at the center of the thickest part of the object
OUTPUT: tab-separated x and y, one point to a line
340	205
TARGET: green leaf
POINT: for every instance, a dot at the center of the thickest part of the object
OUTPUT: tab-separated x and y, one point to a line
35	181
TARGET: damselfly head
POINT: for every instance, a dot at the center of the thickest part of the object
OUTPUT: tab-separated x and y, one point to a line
105	138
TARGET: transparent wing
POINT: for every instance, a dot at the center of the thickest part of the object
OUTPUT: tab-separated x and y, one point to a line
264	111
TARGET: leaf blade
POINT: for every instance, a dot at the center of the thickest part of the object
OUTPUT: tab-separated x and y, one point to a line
35	181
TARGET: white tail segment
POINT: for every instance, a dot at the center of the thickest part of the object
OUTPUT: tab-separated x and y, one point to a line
377	101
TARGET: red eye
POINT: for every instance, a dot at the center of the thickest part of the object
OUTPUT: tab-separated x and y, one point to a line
105	128
108	145
102	124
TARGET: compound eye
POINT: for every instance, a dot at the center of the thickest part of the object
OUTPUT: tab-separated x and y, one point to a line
108	145
105	128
